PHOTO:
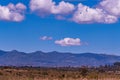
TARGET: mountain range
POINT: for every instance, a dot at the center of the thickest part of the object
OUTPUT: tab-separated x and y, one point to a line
54	59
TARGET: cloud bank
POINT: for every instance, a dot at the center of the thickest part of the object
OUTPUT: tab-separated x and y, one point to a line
107	11
12	12
68	42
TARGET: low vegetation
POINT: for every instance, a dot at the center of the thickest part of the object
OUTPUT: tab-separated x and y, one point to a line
107	72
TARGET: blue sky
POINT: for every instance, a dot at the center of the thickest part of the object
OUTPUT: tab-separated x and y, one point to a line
46	33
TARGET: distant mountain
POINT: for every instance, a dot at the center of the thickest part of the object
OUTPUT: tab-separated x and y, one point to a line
53	59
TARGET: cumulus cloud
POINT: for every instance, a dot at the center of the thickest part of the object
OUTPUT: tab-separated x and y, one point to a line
111	6
62	8
46	38
85	14
107	11
12	12
43	7
102	13
69	42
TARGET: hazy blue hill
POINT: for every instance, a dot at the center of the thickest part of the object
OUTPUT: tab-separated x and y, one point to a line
55	58
2	52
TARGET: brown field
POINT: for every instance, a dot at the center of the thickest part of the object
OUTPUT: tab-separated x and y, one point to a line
29	73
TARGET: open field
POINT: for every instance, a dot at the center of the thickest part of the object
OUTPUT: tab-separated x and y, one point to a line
66	73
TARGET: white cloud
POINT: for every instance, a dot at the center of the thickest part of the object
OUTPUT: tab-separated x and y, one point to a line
69	42
62	8
107	11
12	12
20	6
46	38
85	14
43	7
111	6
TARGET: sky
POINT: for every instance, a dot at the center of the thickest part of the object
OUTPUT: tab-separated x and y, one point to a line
76	26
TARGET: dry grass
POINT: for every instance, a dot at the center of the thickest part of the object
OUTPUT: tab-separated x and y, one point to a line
52	74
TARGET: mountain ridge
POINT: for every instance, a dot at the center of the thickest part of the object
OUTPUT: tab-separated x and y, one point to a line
54	58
